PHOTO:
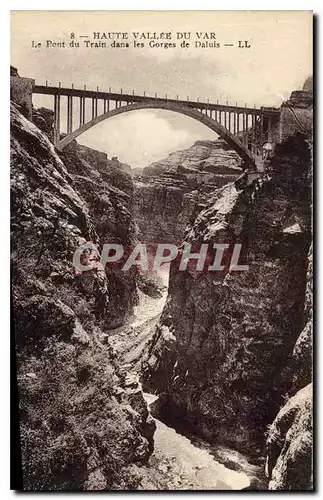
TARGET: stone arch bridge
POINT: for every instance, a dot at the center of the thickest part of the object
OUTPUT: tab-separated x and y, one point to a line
244	128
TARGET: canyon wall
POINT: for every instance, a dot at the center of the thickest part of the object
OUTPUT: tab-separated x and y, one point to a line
83	422
221	358
290	437
171	192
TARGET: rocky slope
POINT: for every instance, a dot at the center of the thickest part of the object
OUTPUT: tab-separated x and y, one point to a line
302	353
83	422
290	444
170	193
222	355
107	188
200	161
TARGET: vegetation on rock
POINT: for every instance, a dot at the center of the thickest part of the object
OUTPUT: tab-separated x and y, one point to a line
82	425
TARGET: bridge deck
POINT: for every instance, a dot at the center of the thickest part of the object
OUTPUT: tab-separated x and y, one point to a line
130	98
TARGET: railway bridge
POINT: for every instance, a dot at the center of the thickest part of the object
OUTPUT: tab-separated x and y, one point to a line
244	128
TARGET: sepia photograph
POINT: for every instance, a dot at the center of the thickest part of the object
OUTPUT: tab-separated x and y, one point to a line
161	234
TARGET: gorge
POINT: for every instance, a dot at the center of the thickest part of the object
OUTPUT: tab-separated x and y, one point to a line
183	380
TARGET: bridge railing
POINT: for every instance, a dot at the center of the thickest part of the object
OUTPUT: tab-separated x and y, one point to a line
121	95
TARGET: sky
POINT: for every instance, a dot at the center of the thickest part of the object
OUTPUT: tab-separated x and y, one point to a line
278	61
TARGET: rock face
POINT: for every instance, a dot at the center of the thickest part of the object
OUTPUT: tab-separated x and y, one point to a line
21	92
308	85
290	437
201	159
82	422
296	114
219	353
170	193
107	189
302	353
290	455
43	118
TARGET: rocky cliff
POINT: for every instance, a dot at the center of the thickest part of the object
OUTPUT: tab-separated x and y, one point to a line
106	186
170	193
83	422
289	443
222	355
201	159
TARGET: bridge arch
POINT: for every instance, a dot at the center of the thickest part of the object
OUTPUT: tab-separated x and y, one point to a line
212	124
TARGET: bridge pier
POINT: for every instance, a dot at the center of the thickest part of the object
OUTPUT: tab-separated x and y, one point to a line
57	118
253	133
244	127
94	108
261	129
82	111
269	131
69	127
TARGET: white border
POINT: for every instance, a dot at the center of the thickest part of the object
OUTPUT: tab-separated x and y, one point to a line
316	6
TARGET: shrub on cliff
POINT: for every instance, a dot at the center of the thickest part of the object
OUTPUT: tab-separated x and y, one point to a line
78	428
72	427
